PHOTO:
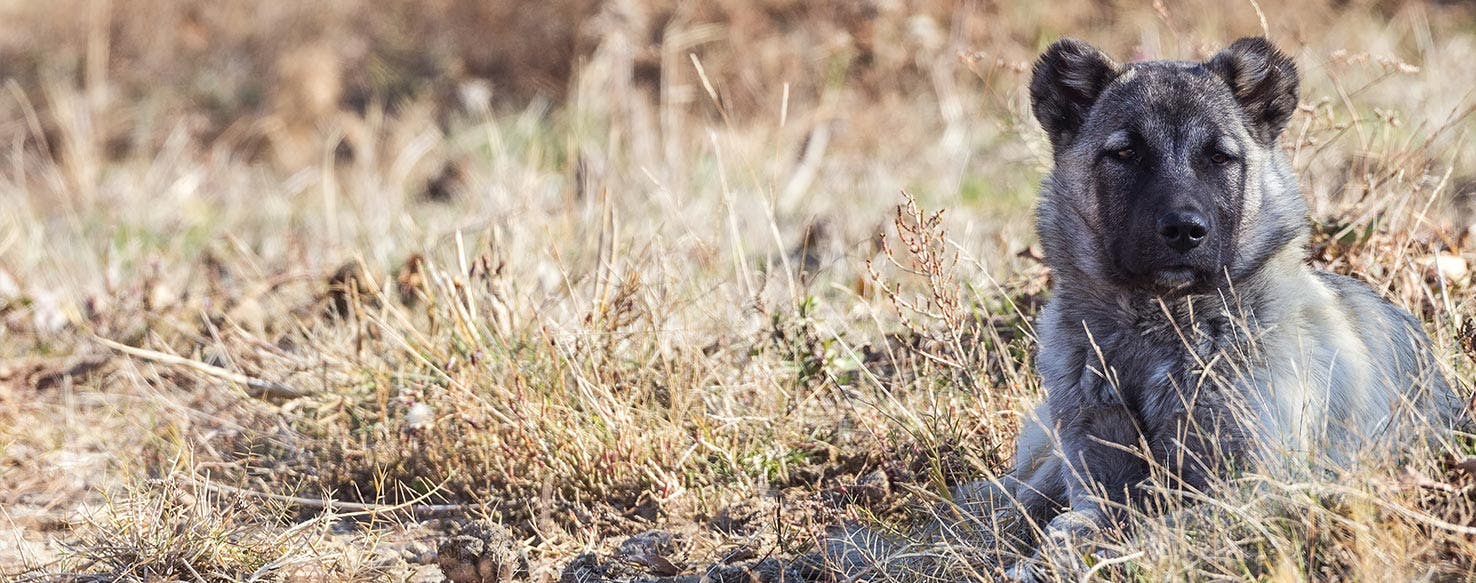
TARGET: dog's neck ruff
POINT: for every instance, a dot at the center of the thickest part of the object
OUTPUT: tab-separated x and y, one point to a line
1250	301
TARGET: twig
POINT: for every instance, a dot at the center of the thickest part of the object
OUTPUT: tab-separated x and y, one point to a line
255	387
1108	562
1411	514
354	508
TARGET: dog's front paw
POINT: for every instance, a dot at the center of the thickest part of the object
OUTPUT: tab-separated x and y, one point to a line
1060	553
1023	571
1073	527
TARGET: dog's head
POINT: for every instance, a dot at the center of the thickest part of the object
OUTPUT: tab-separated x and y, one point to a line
1168	175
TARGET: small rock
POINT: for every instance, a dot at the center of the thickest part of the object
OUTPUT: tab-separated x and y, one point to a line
419	553
648	510
739	553
482	552
654	551
1452	267
1447	266
250	315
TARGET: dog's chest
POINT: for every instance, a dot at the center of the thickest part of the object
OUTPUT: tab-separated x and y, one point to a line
1151	355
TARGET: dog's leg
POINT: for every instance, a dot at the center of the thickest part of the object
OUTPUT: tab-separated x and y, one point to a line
1038	485
1097	470
1103	465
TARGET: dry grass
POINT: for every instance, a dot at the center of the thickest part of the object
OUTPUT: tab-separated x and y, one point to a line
637	286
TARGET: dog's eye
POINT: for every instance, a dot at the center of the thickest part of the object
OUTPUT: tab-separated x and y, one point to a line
1220	158
1125	154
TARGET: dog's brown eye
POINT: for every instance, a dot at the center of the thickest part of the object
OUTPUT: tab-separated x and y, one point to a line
1220	158
1125	154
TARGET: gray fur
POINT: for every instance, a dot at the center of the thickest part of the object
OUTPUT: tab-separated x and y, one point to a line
1233	355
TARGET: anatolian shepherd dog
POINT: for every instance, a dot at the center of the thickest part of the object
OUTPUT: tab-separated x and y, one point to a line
1186	331
1186	336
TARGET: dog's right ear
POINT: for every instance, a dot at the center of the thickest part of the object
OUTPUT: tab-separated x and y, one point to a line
1067	80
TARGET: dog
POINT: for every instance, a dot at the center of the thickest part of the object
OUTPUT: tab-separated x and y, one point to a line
1187	336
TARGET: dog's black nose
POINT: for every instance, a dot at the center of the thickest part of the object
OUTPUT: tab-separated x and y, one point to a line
1183	230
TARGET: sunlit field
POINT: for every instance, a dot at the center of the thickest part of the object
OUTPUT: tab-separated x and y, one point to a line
639	290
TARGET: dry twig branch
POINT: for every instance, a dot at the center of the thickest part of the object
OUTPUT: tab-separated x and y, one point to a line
354	508
255	387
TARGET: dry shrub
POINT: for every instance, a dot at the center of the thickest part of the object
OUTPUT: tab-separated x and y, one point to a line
165	531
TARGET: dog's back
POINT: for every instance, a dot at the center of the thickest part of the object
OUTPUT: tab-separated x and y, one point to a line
1411	392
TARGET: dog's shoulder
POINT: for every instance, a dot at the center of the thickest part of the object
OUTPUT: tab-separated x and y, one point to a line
1396	340
1370	313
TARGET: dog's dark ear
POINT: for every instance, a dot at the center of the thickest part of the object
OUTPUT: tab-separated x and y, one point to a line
1067	80
1264	81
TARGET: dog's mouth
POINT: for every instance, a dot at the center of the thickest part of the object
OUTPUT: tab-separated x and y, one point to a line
1180	280
1171	280
1175	278
1167	276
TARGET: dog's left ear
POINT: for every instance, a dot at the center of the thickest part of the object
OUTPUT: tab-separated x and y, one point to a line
1264	81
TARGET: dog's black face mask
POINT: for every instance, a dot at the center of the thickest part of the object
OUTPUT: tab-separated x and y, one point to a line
1169	180
1161	153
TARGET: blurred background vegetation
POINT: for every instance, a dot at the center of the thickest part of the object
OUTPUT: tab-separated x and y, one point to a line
592	268
235	73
